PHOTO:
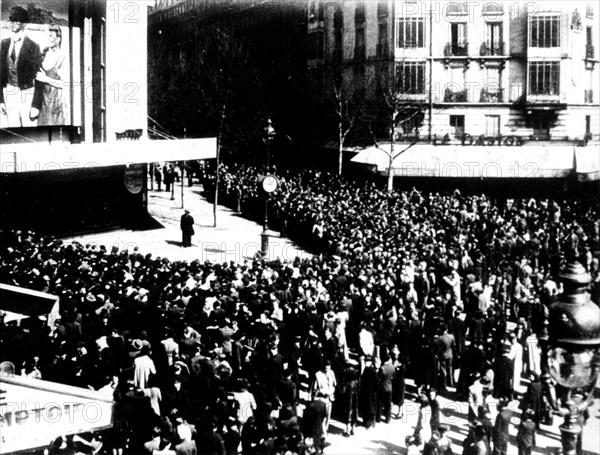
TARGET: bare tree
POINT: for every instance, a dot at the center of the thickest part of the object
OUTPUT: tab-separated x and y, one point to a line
402	105
224	93
348	110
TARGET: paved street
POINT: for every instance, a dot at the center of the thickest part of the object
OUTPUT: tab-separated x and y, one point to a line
234	238
237	239
388	439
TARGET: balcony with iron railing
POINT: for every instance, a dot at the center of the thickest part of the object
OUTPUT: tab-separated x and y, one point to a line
491	49
588	96
456	49
455	96
491	95
590	51
457	9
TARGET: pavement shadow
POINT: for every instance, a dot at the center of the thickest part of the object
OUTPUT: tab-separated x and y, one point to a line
388	448
335	430
548	434
211	249
150	223
173	242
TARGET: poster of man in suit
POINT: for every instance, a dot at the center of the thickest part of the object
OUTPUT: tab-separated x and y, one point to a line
34	64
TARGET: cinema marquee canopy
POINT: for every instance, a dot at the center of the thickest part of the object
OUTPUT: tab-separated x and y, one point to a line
42	157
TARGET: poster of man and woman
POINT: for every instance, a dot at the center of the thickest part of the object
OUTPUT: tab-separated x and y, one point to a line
34	63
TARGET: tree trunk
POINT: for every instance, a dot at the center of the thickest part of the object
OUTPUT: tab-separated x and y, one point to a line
340	151
219	135
217	181
390	173
390	176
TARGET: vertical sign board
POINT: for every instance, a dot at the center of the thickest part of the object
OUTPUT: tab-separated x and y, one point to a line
133	178
33	412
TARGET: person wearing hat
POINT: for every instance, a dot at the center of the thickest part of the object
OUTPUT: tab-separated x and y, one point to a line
474	443
503	373
533	398
323	388
143	364
476	396
369	393
500	434
187	229
386	379
526	433
20	61
444	443
432	446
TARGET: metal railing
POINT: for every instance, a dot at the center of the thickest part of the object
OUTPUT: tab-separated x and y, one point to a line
453	96
456	49
491	96
487	49
589	51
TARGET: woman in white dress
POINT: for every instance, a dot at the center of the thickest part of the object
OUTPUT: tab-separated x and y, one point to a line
49	104
516	354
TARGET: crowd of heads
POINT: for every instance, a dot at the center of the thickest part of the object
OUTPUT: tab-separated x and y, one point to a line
215	353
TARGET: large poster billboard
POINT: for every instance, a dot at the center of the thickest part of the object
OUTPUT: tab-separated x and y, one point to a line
34	63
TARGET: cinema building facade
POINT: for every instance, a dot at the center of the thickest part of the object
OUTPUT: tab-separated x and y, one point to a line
74	147
487	89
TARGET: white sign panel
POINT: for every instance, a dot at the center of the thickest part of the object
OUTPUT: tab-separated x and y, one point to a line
34	412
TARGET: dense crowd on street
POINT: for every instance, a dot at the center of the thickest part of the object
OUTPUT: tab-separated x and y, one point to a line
448	290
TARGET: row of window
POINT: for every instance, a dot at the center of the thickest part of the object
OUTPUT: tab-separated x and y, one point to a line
544	31
541	124
544	79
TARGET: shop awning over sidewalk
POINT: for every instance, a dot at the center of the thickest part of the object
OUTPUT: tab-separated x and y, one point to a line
478	161
42	157
588	162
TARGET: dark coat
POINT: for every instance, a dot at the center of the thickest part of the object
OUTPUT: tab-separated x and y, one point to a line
29	62
526	435
368	394
312	420
501	427
533	400
187	224
503	374
386	376
457	328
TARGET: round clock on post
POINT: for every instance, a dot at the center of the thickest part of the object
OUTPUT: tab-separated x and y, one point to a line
270	183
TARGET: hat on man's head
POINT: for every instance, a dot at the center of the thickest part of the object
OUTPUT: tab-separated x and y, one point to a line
136	345
18	14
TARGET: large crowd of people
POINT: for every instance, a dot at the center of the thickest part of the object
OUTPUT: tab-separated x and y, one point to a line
447	290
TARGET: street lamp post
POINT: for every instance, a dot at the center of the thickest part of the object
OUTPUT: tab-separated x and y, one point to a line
573	352
269	136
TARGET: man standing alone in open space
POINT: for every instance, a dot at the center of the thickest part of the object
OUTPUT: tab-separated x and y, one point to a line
187	229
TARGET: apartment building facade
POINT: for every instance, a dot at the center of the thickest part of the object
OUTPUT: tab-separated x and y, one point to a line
471	74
